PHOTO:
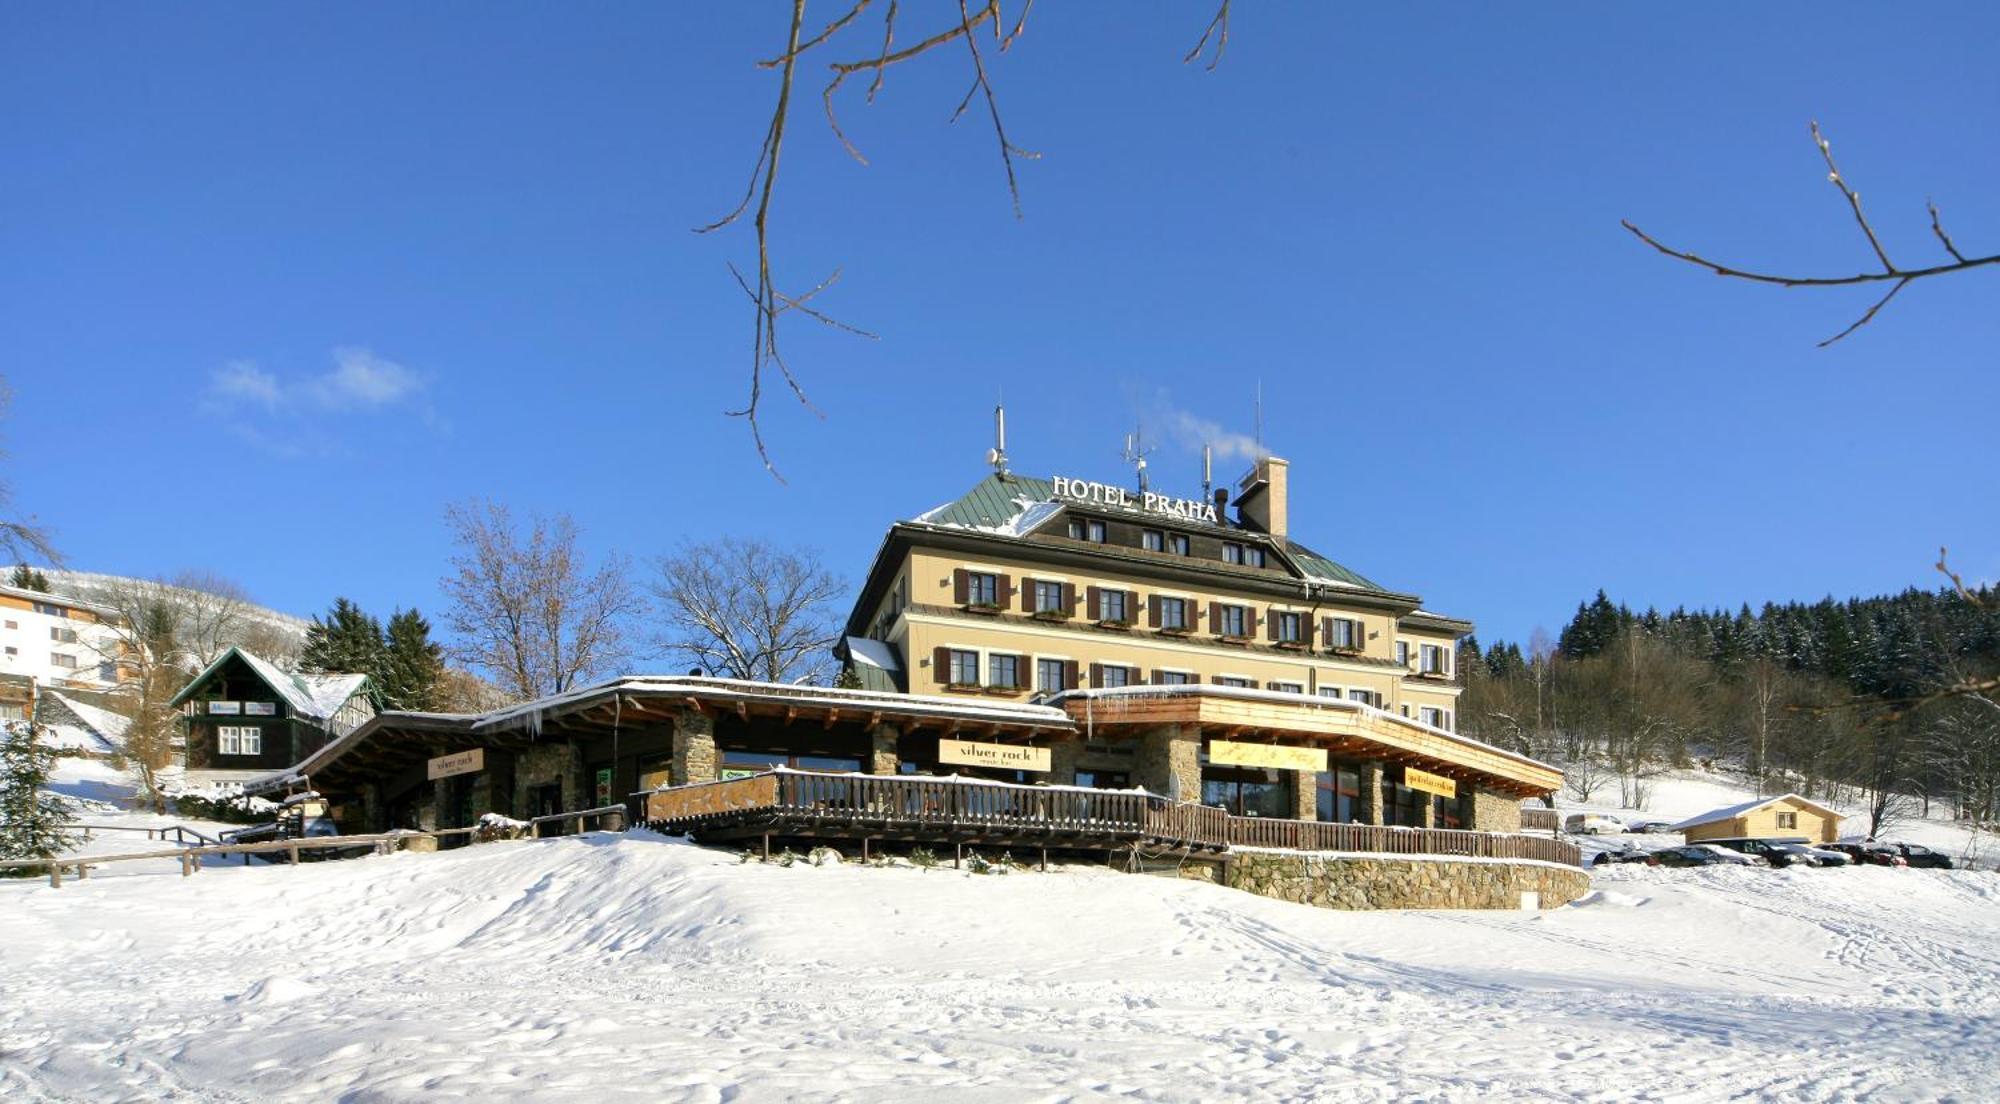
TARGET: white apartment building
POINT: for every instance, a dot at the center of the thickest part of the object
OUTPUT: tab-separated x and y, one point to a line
55	641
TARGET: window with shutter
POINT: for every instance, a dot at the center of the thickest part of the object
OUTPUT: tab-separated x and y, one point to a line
961	586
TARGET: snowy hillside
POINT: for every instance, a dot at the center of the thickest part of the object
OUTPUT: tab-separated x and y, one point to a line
635	967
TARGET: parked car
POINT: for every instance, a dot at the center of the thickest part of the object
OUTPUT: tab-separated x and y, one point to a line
1818	856
1625	854
1916	854
1868	854
1647	827
1592	824
1701	854
1775	852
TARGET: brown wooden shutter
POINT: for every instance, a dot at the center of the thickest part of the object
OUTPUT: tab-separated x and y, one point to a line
1134	676
1096	603
1097	675
1153	610
961	586
1270	625
1250	684
1250	616
1326	632
1027	595
1216	679
1069	674
941	663
1069	598
1007	591
1215	617
1024	673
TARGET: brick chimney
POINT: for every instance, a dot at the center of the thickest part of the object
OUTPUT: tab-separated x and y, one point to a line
1260	498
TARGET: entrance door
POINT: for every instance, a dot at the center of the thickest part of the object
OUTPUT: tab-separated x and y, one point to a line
545	799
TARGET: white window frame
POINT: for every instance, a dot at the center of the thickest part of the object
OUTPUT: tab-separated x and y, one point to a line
1057	606
995	657
239	740
1356	634
1298	623
951	654
1186	622
1062	663
1104	600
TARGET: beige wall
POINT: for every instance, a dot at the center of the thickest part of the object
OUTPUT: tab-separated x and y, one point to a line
930	578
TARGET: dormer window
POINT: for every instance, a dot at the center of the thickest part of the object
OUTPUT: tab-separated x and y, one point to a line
1249	555
1232	552
1152	540
1086	529
1177	543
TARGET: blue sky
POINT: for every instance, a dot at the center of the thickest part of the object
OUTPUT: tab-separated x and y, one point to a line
279	282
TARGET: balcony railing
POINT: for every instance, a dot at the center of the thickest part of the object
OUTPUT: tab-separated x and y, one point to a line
945	810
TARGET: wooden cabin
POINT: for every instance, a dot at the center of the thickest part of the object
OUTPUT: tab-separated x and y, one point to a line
246	717
1787	816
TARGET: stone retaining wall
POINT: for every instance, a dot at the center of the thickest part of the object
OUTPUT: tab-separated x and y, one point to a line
1391	881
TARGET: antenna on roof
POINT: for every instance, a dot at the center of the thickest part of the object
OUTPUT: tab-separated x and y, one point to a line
1207	470
997	455
1260	415
1136	451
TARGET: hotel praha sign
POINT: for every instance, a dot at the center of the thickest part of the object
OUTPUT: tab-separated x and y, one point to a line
1229	753
1104	494
967	753
1429	783
462	762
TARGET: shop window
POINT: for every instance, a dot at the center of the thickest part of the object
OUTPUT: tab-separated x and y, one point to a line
964	667
1402	805
1448	812
737	764
1257	793
1104	780
1339	795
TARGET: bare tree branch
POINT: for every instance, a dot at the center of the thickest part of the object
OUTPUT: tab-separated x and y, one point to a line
1900	277
1219	29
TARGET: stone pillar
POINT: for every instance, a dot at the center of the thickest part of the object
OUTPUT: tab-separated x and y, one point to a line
374	818
1064	755
1492	812
1305	795
882	749
1427	811
694	748
576	785
1169	761
1371	793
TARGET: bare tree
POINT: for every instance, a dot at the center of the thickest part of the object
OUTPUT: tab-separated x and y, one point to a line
162	634
748	610
874	62
1896	276
21	538
526	608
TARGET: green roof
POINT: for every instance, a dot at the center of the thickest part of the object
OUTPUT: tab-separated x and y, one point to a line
1006	504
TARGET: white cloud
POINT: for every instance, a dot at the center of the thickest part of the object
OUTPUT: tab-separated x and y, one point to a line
243	381
360	378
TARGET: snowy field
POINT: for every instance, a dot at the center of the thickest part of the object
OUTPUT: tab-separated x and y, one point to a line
634	967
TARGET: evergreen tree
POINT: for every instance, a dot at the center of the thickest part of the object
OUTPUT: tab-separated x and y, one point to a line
27	578
34	822
347	642
412	664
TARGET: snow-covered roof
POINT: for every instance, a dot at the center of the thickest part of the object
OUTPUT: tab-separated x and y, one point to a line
873	653
1731	812
316	697
96	730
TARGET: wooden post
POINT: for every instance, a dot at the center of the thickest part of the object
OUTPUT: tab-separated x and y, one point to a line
187	864
292	853
55	875
767	847
82	871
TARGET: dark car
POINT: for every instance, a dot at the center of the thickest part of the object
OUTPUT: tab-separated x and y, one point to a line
1768	850
1916	854
1700	854
1626	854
1649	827
1869	854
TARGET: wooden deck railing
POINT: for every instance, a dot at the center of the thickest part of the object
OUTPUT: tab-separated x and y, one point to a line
1540	820
1375	839
179	833
947	808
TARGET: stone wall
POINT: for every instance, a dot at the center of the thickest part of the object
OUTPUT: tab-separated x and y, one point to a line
1387	881
1492	812
694	748
1168	761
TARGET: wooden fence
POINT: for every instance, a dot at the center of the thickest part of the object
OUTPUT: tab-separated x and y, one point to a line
190	858
1376	839
1540	820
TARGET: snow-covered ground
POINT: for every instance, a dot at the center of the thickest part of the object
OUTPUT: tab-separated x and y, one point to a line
635	967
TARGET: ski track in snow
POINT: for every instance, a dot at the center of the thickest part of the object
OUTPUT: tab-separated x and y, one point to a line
634	967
